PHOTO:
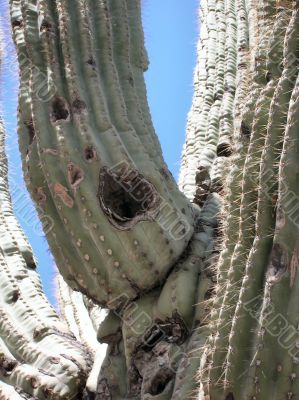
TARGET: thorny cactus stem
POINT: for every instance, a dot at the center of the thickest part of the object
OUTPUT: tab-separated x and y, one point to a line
252	349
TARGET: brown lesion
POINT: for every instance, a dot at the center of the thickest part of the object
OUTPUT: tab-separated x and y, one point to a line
62	193
127	198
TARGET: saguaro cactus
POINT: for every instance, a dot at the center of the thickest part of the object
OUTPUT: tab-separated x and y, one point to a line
197	308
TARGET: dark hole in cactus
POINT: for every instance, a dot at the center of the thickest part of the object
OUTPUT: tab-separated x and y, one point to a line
203	184
152	338
31	264
89	153
224	150
126	197
7	365
48	393
15	295
59	110
244	129
31	132
230	396
16	24
78	106
91	62
131	81
45	26
160	382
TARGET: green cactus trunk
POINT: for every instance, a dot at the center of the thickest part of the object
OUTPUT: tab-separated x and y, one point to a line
201	289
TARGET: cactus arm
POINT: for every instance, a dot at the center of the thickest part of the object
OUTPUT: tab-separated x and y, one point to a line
28	144
73	183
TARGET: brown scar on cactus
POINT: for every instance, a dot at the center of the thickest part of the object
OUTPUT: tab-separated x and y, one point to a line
61	192
127	198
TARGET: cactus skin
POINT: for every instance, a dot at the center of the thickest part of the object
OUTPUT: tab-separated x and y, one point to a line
101	167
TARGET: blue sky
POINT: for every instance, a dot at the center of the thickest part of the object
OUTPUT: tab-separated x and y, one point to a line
171	28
